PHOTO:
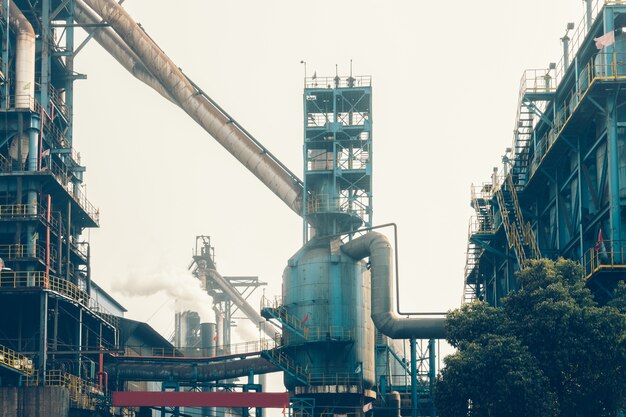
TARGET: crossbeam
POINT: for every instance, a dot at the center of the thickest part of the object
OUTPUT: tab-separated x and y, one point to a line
200	399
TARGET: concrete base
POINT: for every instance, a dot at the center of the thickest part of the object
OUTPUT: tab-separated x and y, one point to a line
34	402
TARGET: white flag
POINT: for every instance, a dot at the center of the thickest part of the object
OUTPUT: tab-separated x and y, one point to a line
605	40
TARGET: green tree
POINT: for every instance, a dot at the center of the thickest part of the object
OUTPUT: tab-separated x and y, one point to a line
550	350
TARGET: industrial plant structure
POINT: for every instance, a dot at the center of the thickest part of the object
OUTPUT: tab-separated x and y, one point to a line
560	190
334	333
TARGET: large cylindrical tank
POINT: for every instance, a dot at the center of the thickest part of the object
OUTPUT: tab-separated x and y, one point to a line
328	294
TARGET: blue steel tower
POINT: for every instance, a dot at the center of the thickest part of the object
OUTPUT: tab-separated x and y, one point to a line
327	349
337	155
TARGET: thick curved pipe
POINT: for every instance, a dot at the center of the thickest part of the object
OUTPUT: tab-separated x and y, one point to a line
213	119
378	248
25	57
166	370
115	46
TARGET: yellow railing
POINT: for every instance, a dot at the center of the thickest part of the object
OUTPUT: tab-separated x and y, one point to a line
609	255
605	67
14	211
528	236
83	394
39	279
16	361
481	226
11	252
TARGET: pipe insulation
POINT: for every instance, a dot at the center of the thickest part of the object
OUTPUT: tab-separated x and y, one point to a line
25	57
115	46
128	369
378	248
203	110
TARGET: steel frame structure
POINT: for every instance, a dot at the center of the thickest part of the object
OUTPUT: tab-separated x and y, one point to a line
566	165
46	309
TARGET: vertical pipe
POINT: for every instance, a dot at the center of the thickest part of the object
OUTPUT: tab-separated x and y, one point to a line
88	277
565	39
101	366
68	238
414	398
55	327
48	212
613	155
5	54
46	37
60	245
69	63
432	374
79	342
580	201
43	333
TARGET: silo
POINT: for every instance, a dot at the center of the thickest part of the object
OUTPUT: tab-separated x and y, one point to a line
328	293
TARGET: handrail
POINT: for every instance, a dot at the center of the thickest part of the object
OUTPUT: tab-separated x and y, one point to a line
605	255
200	352
14	360
39	279
83	394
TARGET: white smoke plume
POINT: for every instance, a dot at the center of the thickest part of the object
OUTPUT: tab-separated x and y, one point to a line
179	284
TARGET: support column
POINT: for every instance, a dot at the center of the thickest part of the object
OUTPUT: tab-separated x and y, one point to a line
414	398
43	333
68	238
613	165
432	374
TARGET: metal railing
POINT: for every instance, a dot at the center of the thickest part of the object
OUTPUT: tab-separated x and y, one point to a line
64	179
24	102
326	203
83	394
338	82
75	191
20	251
17	211
606	255
606	67
16	361
197	352
342	378
39	279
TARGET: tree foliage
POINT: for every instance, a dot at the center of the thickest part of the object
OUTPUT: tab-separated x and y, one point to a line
549	350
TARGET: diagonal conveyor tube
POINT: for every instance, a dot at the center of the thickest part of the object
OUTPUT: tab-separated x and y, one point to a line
115	46
286	185
378	248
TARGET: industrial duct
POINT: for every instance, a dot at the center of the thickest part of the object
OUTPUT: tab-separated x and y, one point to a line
115	46
137	369
200	108
240	302
25	57
378	248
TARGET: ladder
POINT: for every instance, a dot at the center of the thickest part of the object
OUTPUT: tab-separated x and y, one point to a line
519	234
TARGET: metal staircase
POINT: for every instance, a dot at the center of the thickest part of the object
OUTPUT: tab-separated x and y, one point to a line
522	139
282	360
481	229
519	234
280	313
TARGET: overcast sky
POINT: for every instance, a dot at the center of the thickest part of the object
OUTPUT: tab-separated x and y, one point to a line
445	83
